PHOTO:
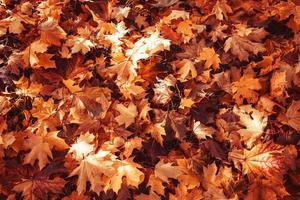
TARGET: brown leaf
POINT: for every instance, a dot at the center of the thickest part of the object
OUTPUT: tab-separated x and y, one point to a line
39	188
293	115
263	159
241	47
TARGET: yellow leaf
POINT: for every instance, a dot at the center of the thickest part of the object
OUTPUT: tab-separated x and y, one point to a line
187	67
186	102
185	29
211	58
70	84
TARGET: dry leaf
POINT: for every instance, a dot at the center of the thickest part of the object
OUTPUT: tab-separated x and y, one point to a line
262	159
211	58
127	114
164	171
293	115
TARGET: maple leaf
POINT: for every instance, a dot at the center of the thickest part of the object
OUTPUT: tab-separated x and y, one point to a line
189	180
221	9
147	46
40	150
164	171
241	47
217	33
83	146
293	115
27	88
129	170
263	159
92	168
177	123
157	130
202	131
79	44
211	58
185	29
213	181
186	67
30	56
70	84
41	144
162	91
95	100
127	114
38	188
278	84
186	103
51	32
140	20
119	13
14	23
265	189
131	89
7	140
168	32
144	108
176	14
156	185
254	121
134	143
246	88
44	60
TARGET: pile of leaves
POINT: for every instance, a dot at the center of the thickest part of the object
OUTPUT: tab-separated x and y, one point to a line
149	100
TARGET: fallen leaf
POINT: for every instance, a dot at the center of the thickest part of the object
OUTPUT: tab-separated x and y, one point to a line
211	58
293	115
164	171
241	47
91	169
245	88
127	114
39	188
263	159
